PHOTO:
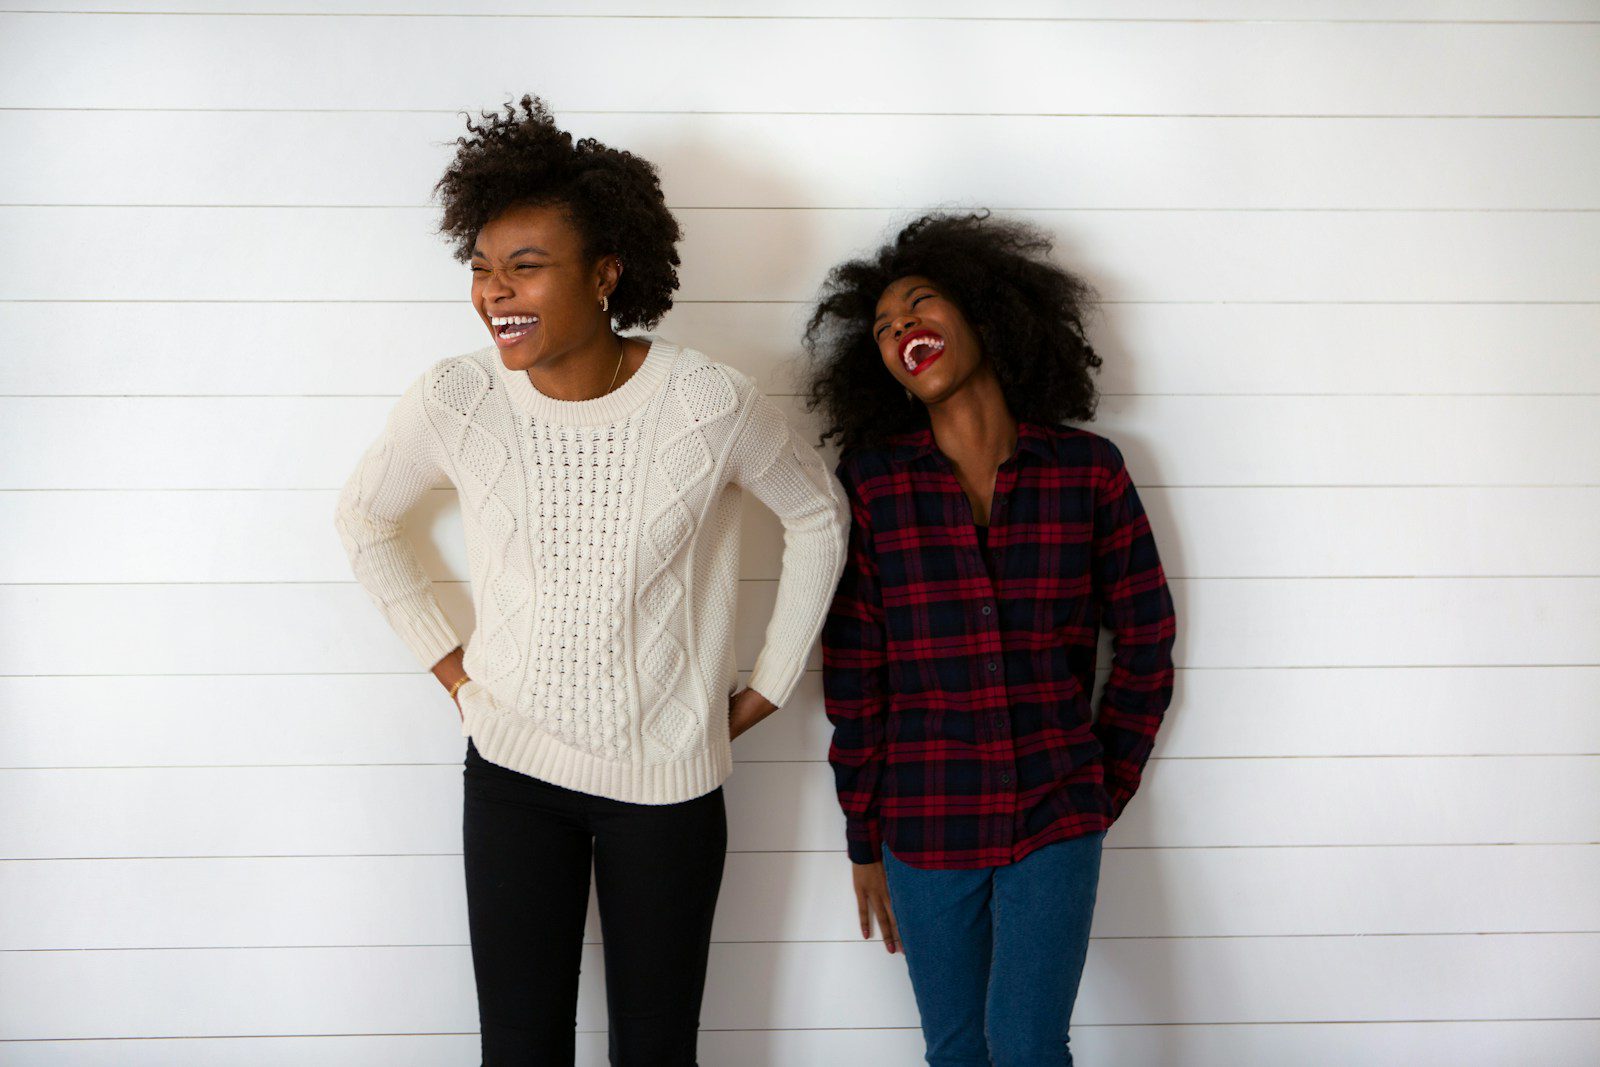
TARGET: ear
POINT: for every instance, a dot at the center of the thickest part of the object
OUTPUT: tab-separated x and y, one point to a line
608	272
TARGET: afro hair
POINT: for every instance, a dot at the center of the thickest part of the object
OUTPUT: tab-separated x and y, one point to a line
1027	313
613	198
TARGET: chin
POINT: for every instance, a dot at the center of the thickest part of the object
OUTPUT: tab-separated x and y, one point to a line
934	392
935	381
518	357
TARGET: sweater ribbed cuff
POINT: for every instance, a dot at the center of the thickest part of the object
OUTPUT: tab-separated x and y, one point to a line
426	632
775	676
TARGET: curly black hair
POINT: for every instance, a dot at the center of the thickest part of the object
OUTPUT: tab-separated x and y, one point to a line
613	197
1027	312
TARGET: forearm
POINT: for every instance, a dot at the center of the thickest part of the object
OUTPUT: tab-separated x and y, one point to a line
1136	605
812	558
369	518
855	698
856	782
1135	698
855	681
797	488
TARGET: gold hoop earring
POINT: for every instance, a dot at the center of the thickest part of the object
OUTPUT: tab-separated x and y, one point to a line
605	304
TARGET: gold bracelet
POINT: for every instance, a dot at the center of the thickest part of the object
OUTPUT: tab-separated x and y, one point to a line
459	682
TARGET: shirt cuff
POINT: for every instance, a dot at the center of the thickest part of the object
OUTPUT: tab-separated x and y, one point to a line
862	841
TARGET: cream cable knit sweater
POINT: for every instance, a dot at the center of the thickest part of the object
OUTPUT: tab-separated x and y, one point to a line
603	545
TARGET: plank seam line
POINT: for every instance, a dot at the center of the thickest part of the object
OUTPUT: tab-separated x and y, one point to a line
453	764
833	1029
1198	115
805	852
581	16
998	208
1362	935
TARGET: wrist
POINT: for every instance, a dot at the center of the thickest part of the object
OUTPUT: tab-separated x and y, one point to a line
765	706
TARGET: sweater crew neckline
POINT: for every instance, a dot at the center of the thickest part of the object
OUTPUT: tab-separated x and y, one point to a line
600	411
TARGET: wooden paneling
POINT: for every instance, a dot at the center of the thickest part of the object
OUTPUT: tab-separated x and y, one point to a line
1351	262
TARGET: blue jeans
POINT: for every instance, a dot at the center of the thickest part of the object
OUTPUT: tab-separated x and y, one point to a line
997	952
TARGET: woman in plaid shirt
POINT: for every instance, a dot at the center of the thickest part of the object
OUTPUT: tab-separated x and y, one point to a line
988	543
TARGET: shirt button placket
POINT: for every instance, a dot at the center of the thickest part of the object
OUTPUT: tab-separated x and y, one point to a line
998	725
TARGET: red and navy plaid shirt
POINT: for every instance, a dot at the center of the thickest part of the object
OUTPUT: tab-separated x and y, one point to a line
963	734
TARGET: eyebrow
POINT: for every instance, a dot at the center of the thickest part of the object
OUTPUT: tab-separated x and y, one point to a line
914	288
534	249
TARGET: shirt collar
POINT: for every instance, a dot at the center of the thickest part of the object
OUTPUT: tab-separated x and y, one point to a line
913	445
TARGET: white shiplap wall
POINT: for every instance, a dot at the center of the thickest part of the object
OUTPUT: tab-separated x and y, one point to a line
1351	258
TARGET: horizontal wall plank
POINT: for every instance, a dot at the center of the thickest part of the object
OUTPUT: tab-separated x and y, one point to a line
804	896
148	253
172	535
429	989
1116	68
1410	531
1305	441
174	720
1020	161
376	349
1186	441
1554	1042
218	628
1119	10
409	810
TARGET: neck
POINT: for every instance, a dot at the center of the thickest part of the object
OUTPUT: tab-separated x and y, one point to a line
973	426
586	370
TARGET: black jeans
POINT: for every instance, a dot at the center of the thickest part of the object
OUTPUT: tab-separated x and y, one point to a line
528	845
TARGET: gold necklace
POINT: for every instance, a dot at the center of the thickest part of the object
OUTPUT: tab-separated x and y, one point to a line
622	350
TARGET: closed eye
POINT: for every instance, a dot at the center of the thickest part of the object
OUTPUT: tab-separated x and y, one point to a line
878	333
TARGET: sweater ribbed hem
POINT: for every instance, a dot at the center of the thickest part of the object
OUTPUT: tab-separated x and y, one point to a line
522	746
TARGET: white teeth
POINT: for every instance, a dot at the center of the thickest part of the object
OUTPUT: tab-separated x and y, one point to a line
929	342
512	320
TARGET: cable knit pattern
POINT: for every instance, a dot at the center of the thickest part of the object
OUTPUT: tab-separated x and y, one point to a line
486	479
676	493
602	541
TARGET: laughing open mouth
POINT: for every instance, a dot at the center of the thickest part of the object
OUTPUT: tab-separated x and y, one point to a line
508	329
920	348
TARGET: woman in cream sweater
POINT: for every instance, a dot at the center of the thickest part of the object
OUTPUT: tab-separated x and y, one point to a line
600	479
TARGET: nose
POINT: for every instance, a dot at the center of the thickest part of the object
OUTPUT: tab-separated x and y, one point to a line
496	285
903	324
